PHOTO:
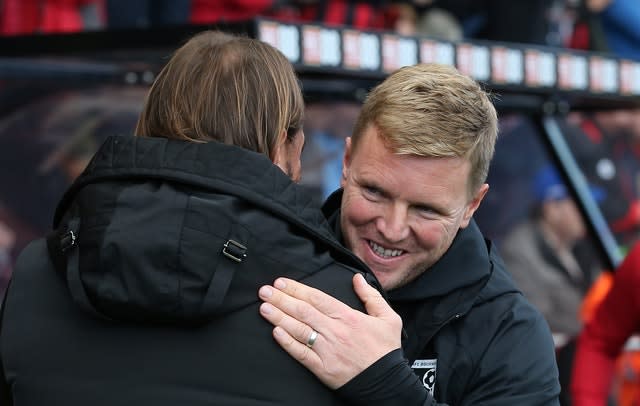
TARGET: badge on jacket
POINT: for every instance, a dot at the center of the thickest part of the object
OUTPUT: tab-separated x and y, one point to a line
426	370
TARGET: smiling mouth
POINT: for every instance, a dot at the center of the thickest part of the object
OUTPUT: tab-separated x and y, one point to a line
384	252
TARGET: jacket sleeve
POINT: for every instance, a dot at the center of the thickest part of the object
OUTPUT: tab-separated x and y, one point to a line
518	366
388	382
602	340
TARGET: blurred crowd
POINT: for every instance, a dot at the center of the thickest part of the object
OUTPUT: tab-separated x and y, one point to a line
549	22
600	25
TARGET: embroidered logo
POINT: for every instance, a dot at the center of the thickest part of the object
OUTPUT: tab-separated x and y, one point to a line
426	370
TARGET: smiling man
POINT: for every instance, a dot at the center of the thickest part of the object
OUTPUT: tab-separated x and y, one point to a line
400	231
414	174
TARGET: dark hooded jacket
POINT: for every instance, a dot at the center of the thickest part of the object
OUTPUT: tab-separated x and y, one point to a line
471	337
149	296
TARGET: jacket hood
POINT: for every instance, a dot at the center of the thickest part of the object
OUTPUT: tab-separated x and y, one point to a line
161	232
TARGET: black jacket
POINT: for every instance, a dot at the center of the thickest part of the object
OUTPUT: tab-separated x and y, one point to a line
471	335
155	301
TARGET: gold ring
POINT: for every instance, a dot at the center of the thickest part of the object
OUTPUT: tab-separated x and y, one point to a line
312	338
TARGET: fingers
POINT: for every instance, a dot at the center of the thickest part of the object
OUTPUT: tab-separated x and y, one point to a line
296	308
294	337
348	340
364	290
307	356
374	303
298	330
322	302
370	296
299	351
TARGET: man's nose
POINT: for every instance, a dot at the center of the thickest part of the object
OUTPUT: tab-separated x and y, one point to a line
393	225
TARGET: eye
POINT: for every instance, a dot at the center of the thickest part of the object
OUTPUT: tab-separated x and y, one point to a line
372	191
427	211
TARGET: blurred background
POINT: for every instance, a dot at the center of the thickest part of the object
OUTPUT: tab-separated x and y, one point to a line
564	200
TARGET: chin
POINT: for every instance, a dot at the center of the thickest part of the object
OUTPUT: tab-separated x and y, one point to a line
384	277
388	284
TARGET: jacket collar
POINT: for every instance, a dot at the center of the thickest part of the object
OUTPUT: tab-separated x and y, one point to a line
465	263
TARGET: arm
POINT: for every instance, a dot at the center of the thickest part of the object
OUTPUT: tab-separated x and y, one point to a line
388	382
356	353
604	336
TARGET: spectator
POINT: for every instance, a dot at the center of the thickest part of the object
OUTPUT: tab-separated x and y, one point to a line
19	17
539	254
496	20
359	14
603	339
619	22
605	145
214	11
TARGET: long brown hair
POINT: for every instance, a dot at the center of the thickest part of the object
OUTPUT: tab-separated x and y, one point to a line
227	88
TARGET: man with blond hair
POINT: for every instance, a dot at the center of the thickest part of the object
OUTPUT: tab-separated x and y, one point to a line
414	174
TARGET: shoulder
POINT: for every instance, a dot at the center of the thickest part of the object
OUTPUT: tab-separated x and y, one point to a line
502	321
34	289
519	333
31	260
32	272
511	350
509	318
501	353
336	280
504	330
502	305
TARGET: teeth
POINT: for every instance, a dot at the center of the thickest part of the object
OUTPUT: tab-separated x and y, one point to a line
386	253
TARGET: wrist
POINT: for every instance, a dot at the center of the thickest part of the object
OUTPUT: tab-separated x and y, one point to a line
389	382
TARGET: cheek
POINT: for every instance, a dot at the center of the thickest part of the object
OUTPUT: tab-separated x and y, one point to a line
359	211
430	235
573	219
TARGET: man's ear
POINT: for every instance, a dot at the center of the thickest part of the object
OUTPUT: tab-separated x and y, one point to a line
345	161
279	152
473	205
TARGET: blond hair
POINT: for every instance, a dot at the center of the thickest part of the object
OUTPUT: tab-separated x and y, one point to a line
227	88
433	110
